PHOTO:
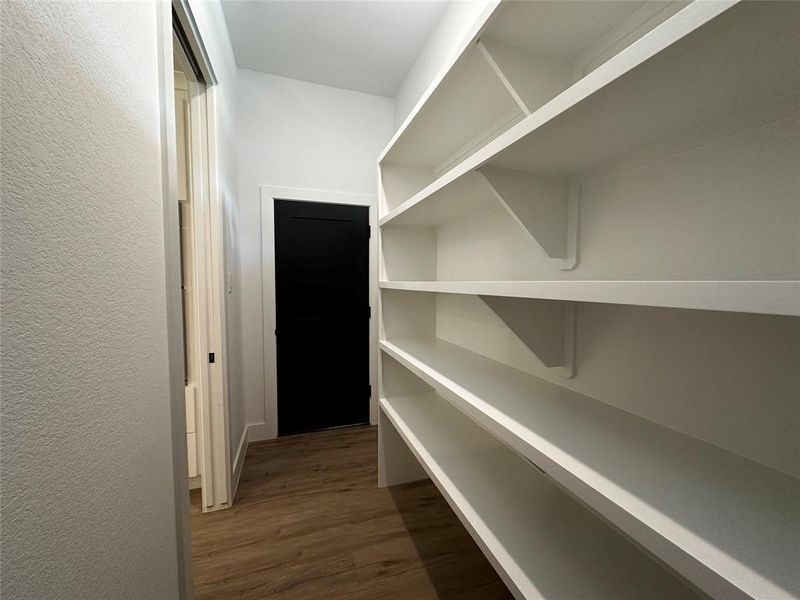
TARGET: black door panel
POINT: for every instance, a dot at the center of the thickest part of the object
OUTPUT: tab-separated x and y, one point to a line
321	264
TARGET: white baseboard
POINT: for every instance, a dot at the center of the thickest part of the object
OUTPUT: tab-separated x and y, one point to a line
258	432
238	463
195	483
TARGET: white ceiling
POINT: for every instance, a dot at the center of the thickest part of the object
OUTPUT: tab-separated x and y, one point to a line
367	46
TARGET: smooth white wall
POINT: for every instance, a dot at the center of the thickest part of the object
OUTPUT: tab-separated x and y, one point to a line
303	135
455	23
88	507
214	32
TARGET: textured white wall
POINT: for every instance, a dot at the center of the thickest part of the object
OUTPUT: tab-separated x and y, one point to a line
211	23
454	24
88	500
295	134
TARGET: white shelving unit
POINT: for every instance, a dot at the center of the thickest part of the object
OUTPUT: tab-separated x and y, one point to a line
655	484
522	520
589	292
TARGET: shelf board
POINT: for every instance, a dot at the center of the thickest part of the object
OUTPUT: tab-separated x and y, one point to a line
543	543
515	54
743	58
758	297
436	86
727	524
466	195
480	116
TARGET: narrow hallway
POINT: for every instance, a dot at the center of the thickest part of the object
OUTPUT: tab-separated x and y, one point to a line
309	522
527	269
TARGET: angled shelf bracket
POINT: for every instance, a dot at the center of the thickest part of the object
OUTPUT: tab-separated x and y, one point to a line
546	327
530	79
486	53
546	207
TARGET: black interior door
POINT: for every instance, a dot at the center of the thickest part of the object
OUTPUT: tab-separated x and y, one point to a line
322	305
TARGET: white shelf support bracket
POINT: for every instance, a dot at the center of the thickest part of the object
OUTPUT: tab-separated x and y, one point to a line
530	79
502	77
573	226
546	207
546	327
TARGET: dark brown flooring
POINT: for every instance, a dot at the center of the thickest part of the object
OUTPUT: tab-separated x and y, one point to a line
309	522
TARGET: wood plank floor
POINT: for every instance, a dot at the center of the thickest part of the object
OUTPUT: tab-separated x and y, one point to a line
309	522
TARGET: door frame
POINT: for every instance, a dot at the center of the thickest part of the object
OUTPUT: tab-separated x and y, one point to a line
268	429
212	408
209	275
167	15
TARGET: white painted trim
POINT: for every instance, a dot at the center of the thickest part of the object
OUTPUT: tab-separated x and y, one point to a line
238	463
169	202
199	194
183	13
214	457
258	432
268	429
216	248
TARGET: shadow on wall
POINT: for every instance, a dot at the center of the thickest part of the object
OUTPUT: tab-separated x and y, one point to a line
454	564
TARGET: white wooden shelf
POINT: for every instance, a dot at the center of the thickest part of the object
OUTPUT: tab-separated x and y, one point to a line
608	153
448	83
727	524
542	543
467	194
490	111
759	297
516	57
685	74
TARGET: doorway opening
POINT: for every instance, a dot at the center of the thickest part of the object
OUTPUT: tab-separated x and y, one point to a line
202	288
322	315
195	288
